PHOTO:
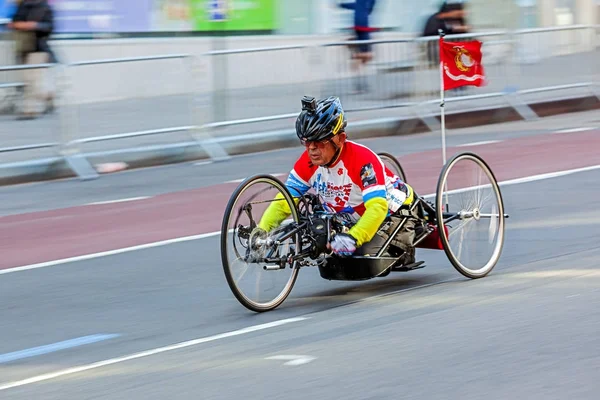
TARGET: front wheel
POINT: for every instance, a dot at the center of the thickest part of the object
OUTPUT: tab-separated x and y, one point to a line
260	271
470	215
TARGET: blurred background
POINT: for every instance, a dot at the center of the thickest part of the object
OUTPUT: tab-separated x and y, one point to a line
167	72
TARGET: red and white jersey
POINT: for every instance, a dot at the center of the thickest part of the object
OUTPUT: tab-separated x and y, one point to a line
358	176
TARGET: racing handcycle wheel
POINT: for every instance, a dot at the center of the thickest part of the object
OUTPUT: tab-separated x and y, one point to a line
470	215
392	163
260	267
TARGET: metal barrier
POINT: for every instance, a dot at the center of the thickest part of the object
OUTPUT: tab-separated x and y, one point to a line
194	128
403	74
26	67
264	84
8	83
36	145
72	122
357	79
67	146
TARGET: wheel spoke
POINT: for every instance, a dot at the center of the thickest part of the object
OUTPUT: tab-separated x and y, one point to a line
460	227
246	268
462	237
479	188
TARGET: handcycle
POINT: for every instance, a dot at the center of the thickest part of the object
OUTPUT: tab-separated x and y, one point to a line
467	209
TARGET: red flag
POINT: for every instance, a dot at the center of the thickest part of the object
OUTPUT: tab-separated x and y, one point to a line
461	64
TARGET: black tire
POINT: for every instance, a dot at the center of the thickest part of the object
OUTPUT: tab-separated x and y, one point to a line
472	212
393	164
229	236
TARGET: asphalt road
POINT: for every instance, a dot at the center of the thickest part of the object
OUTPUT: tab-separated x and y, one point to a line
528	330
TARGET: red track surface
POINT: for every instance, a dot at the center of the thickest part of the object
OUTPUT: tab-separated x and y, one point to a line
57	234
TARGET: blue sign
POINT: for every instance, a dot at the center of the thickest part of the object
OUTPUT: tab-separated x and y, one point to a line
76	16
7	8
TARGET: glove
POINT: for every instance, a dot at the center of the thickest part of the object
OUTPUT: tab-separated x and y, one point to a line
343	244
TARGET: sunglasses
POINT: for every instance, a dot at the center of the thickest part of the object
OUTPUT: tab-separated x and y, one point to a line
319	144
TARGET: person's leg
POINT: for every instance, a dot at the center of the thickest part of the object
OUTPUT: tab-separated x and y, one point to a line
404	241
41	82
34	85
361	57
401	245
365	53
50	88
371	248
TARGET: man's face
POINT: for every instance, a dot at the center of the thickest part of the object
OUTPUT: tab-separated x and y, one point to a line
322	152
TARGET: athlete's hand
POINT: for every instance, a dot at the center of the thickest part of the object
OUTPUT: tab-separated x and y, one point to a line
343	244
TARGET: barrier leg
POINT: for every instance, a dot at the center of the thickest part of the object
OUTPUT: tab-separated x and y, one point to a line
429	120
68	116
200	133
521	107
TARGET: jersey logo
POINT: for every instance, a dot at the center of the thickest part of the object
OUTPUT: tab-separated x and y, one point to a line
367	175
341	171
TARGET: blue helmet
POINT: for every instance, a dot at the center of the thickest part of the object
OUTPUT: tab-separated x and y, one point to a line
321	119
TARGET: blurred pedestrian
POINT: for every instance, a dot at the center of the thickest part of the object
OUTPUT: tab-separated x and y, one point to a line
450	18
33	23
362	10
361	53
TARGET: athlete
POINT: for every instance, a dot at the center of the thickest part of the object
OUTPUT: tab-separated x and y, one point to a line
348	178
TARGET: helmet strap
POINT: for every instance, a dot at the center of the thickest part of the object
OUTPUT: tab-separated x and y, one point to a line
336	156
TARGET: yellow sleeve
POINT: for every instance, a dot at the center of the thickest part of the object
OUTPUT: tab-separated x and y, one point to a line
277	211
367	225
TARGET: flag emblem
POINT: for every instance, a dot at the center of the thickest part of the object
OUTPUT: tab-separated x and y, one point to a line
461	64
463	59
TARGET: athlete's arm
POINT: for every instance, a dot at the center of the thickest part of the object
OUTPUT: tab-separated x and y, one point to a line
371	179
297	183
365	229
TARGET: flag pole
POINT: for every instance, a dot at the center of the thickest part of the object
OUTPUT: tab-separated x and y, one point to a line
442	110
442	103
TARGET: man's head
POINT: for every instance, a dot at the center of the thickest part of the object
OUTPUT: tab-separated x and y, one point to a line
451	10
320	127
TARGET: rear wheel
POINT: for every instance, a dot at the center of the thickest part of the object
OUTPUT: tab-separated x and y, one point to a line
470	215
393	165
259	269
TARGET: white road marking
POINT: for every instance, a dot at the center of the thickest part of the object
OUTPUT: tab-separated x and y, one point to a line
147	353
236	180
573	130
51	348
549	175
211	234
293	360
526	179
118	200
479	143
203	163
109	253
242	179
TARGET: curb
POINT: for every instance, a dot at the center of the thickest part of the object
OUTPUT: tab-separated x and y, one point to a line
149	156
